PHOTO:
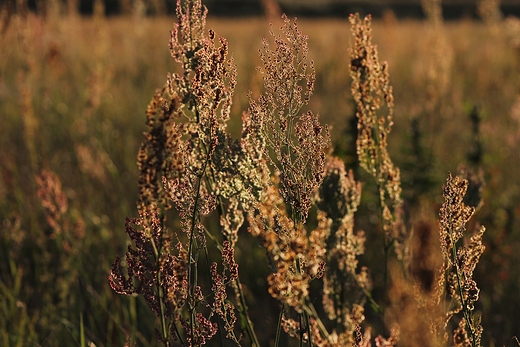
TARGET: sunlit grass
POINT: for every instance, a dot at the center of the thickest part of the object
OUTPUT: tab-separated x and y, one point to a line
73	94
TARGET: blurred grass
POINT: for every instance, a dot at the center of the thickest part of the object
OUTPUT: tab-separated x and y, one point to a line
73	92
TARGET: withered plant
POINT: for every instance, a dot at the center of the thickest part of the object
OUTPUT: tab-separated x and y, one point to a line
277	176
460	259
189	162
372	91
293	144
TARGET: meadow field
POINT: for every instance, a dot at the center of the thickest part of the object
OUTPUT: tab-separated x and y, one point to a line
74	93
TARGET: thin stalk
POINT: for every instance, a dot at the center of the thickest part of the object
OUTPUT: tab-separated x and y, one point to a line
380	188
299	273
210	278
82	331
385	241
375	306
465	310
160	293
162	309
279	328
192	269
300	342
307	323
178	333
309	308
244	312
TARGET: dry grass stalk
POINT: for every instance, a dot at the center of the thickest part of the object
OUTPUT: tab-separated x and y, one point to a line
277	171
371	91
344	286
456	277
294	145
189	161
298	141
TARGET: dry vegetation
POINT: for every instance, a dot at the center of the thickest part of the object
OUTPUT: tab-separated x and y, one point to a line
257	221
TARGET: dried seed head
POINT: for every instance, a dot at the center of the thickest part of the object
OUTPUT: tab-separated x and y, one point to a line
294	144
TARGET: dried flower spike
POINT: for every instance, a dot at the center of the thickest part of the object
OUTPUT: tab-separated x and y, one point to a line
371	91
460	261
295	143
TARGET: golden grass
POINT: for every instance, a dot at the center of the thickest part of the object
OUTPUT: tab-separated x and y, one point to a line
73	94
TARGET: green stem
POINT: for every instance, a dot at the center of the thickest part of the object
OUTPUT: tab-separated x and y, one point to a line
300	342
465	310
192	269
244	312
311	310
279	328
160	292
178	333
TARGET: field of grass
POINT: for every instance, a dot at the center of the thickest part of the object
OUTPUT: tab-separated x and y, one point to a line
73	99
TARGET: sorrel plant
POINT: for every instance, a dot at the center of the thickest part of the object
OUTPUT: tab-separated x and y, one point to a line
275	177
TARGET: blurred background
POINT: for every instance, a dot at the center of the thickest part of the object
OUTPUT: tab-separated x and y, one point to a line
76	77
452	9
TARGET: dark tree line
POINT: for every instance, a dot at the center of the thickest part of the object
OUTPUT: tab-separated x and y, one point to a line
334	8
